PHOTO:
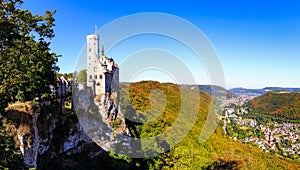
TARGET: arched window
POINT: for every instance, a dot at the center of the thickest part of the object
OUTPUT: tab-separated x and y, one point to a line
95	69
100	76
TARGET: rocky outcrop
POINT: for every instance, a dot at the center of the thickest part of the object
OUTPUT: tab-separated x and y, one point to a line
100	117
45	136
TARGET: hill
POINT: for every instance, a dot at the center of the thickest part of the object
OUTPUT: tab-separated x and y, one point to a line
279	104
215	90
218	152
257	92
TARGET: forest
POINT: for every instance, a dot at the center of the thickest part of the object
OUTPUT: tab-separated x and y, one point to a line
276	106
219	152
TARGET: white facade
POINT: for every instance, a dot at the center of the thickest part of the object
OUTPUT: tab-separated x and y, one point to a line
102	72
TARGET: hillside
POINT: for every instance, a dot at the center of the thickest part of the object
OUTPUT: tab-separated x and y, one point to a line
279	104
64	145
218	152
215	90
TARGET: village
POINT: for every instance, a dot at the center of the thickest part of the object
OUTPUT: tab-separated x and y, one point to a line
274	137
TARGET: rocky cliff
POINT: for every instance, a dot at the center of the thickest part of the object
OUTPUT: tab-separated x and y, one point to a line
48	135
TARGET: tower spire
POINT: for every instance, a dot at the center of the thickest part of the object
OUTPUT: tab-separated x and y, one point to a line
102	51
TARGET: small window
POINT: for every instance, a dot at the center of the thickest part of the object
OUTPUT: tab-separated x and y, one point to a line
100	76
90	49
95	76
91	77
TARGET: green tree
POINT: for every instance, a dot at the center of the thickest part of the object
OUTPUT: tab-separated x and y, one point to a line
10	156
68	75
82	77
27	66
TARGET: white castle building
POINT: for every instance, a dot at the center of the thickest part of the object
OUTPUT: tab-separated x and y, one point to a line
102	71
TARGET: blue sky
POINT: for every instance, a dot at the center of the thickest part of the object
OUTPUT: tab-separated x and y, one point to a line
258	42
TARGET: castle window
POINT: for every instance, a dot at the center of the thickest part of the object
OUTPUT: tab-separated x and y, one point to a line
91	77
95	76
98	84
90	49
100	76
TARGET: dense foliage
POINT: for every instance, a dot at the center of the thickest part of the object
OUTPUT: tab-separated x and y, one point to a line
282	105
82	76
166	95
27	65
10	155
219	152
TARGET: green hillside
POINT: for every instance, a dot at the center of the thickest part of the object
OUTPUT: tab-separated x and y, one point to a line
219	152
148	119
279	104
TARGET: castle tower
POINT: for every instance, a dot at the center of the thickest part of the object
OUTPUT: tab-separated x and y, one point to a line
92	57
102	72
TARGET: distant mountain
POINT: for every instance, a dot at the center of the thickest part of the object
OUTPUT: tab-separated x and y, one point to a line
215	90
281	89
280	104
257	92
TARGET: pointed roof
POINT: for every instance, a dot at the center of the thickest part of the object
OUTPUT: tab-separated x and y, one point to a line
102	51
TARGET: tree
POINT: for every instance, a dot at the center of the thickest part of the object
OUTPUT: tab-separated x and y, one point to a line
27	66
82	77
10	156
68	75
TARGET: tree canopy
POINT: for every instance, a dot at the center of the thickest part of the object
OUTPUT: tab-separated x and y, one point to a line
218	152
82	77
282	105
27	65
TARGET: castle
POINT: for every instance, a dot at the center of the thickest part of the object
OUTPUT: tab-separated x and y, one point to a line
102	71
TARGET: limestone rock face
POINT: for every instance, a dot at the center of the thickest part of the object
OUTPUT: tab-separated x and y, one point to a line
45	138
50	136
99	116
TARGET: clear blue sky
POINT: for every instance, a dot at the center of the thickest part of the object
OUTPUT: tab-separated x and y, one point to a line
258	42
